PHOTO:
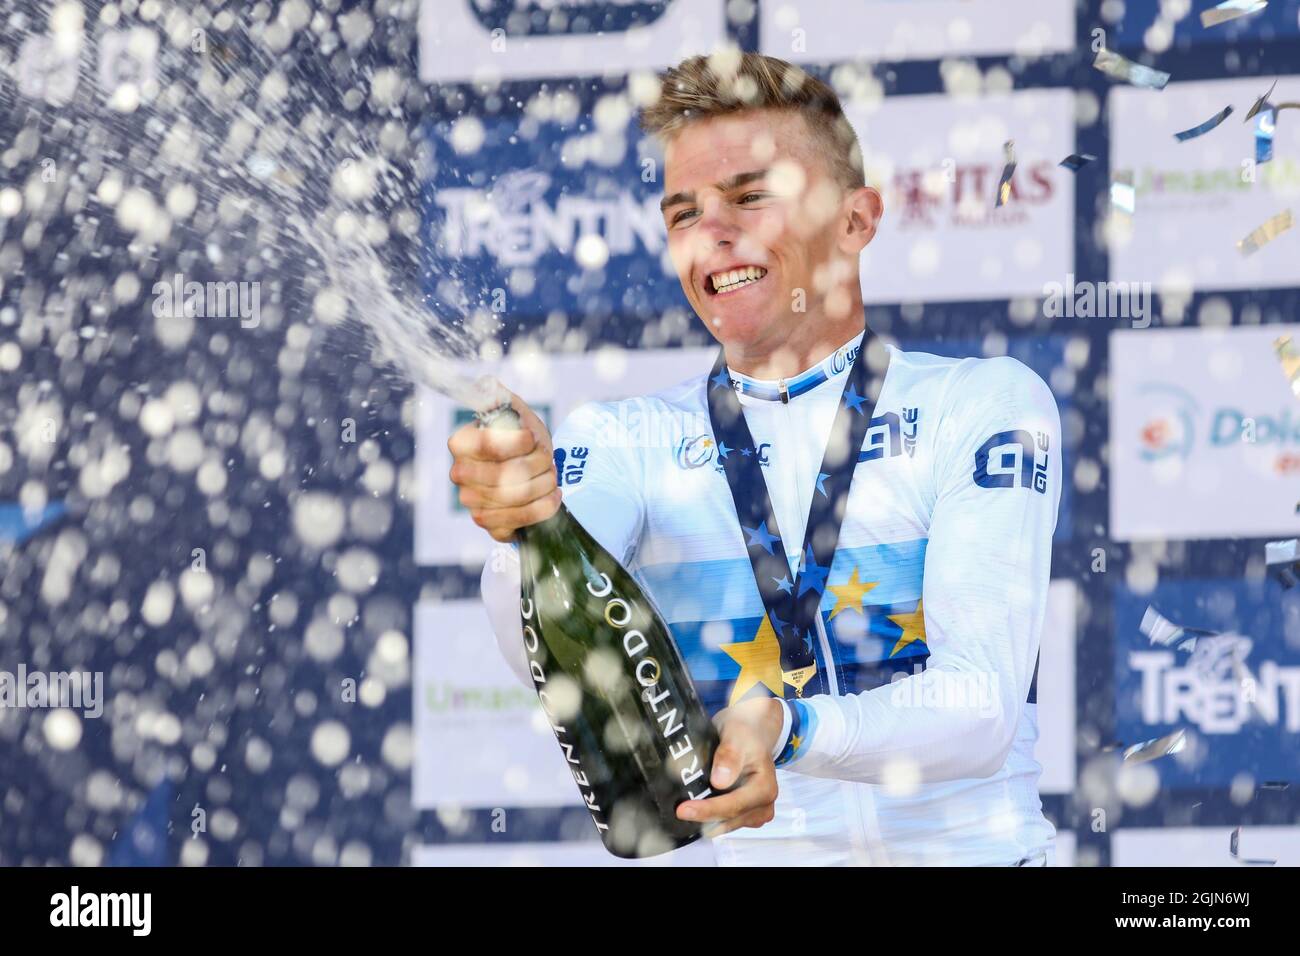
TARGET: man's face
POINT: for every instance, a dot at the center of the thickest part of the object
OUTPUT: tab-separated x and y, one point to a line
751	205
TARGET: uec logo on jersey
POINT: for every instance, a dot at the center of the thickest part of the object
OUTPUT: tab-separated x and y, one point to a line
1009	459
842	357
695	452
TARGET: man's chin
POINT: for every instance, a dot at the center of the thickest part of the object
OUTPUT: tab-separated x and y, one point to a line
737	328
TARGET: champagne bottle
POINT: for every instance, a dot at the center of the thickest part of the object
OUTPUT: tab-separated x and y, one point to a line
612	683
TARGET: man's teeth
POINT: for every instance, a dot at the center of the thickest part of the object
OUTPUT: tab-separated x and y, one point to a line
735	278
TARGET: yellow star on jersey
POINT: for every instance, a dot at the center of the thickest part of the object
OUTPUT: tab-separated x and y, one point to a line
913	626
849	594
759	660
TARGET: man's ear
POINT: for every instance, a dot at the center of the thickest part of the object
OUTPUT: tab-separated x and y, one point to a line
862	211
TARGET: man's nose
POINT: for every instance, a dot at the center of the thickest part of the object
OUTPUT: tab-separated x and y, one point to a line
718	226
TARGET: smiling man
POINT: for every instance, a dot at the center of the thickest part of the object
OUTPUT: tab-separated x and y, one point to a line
850	542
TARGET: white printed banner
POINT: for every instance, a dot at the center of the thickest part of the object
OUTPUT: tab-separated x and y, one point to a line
819	31
1196	199
552	385
1204	435
578	853
481	738
464	41
1203	846
938	161
1056	715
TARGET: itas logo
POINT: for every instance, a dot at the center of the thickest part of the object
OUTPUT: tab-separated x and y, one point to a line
1010	459
929	199
695	452
570	465
1216	701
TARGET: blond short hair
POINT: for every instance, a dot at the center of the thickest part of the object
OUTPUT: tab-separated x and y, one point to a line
702	87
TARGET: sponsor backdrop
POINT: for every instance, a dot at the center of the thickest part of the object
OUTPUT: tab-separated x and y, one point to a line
537	199
1188	193
1205	435
554	204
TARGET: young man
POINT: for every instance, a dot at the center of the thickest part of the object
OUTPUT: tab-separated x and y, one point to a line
857	587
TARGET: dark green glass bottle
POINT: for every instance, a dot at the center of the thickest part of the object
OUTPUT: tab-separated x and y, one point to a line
612	684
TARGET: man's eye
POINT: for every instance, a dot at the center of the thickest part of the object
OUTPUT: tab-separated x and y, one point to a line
753	197
681	216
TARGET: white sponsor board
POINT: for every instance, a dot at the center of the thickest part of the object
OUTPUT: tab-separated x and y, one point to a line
1064	853
481	737
583	853
460	45
813	31
1056	717
938	161
1194	202
1203	846
1204	435
552	385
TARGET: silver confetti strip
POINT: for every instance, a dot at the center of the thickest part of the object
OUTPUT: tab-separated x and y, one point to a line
1217	656
1123	197
1076	161
1234	845
1265	233
1205	127
1156	748
1281	552
1230	10
1289	356
1260	103
1008	170
1116	66
1159	629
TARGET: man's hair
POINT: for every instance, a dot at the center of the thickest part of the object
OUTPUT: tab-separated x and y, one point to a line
701	87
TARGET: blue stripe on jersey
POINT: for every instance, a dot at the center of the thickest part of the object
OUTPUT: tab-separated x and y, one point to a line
724	589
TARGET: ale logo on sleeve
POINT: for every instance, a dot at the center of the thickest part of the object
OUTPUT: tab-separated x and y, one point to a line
571	465
1010	459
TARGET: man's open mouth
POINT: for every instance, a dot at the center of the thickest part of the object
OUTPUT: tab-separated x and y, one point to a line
733	279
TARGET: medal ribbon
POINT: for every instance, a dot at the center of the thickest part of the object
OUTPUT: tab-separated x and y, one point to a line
791	606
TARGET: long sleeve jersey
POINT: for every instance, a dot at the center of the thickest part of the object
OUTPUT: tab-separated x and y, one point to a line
930	620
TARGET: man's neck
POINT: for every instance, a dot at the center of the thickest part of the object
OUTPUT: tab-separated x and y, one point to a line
795	354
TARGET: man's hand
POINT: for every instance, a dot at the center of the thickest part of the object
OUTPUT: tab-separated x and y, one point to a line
506	476
749	731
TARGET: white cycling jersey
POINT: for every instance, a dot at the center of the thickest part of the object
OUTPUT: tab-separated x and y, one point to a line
930	621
